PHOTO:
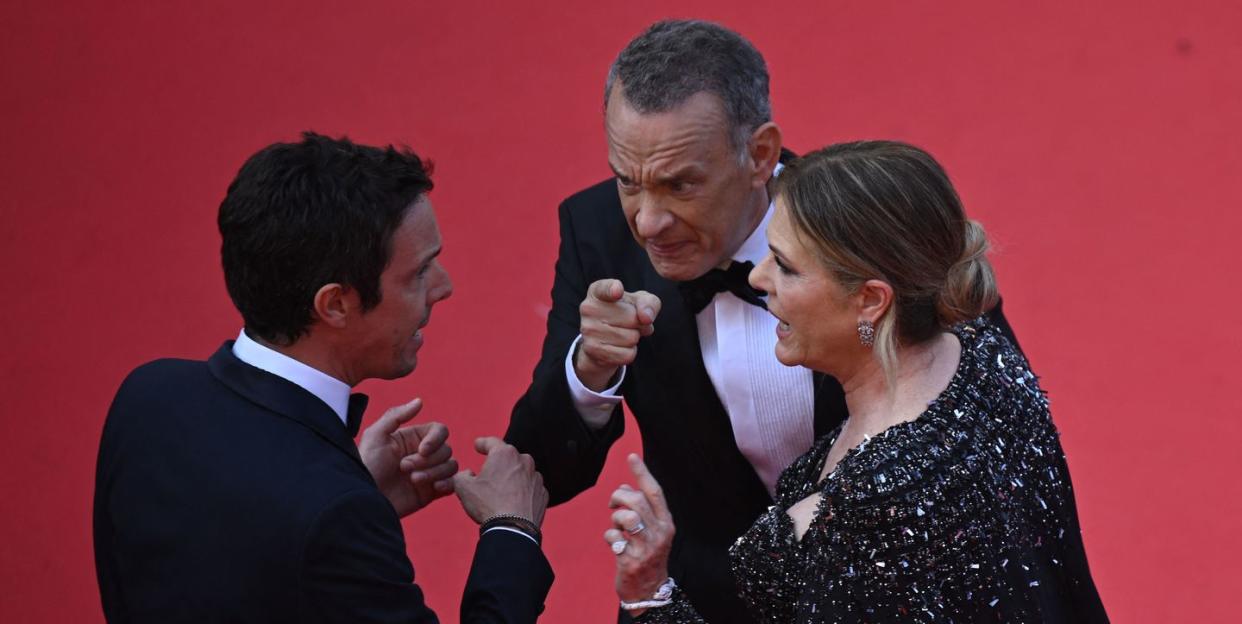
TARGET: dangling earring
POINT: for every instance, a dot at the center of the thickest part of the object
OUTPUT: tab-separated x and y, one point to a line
866	333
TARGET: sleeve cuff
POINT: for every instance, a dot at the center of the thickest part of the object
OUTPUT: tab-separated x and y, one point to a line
595	408
511	530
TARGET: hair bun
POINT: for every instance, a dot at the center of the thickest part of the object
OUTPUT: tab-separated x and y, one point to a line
970	287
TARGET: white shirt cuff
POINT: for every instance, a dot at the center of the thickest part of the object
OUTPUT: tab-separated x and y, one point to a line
511	530
595	408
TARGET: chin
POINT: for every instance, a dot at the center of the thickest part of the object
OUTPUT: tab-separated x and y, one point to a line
401	369
785	357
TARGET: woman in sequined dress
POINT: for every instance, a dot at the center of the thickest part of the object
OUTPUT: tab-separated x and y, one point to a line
945	496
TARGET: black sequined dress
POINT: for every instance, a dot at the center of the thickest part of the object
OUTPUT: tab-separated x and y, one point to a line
965	514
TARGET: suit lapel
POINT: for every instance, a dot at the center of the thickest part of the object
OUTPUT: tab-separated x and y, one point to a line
286	399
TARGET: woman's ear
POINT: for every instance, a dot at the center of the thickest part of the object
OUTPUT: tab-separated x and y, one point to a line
874	298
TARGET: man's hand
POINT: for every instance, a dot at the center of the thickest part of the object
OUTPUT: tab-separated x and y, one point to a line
612	322
411	465
507	484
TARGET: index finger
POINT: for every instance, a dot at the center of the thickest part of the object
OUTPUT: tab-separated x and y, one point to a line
392	419
649	487
608	290
433	437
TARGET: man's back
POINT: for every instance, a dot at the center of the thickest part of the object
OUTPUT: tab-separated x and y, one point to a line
226	493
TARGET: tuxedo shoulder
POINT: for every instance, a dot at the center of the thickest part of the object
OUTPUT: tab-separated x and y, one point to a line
162	372
598	198
162	383
605	192
593	219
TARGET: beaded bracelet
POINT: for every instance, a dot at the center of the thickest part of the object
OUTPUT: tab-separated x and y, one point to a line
512	521
662	598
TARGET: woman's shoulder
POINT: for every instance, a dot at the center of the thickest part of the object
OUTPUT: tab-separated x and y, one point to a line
945	448
992	412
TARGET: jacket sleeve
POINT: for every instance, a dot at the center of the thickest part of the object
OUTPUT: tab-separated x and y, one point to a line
545	423
106	566
355	568
509	580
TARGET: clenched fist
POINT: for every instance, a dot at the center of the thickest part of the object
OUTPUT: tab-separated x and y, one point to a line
612	322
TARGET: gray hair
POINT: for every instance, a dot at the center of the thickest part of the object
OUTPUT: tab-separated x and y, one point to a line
675	59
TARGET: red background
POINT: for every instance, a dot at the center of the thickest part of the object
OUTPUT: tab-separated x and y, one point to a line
1099	142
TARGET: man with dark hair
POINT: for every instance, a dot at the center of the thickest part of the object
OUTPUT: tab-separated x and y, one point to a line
232	490
651	303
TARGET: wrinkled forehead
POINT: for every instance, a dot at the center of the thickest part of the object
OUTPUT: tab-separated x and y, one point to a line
696	127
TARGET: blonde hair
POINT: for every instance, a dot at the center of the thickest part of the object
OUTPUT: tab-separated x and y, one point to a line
886	210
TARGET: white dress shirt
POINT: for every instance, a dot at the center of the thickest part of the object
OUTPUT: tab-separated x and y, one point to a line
771	406
329	389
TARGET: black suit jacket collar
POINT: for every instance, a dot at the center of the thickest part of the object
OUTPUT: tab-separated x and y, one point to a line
286	399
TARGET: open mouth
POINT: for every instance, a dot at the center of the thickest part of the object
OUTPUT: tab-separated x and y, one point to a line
665	249
782	327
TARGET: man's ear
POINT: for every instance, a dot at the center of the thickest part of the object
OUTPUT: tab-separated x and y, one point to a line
763	151
874	297
334	304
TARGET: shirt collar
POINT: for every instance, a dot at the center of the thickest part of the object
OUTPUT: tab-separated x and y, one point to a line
329	389
755	247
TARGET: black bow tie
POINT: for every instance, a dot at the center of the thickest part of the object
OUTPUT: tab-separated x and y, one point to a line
699	291
353	418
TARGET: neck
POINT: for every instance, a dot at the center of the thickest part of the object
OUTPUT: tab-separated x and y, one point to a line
874	405
758	209
307	351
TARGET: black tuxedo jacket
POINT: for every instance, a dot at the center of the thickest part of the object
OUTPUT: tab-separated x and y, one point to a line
712	490
227	494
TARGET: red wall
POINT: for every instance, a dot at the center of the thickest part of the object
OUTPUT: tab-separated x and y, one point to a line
1100	144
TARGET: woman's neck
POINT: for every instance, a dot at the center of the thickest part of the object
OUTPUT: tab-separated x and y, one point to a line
923	372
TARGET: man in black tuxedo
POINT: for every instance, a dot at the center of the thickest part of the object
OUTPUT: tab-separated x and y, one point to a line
231	490
651	304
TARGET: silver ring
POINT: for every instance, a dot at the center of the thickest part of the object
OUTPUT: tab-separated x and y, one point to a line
639	528
618	547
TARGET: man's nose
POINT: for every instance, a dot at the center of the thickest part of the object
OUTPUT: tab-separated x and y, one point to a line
446	287
651	219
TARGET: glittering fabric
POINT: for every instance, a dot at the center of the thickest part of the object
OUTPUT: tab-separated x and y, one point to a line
965	514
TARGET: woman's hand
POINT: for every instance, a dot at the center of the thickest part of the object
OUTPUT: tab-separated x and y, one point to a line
641	535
